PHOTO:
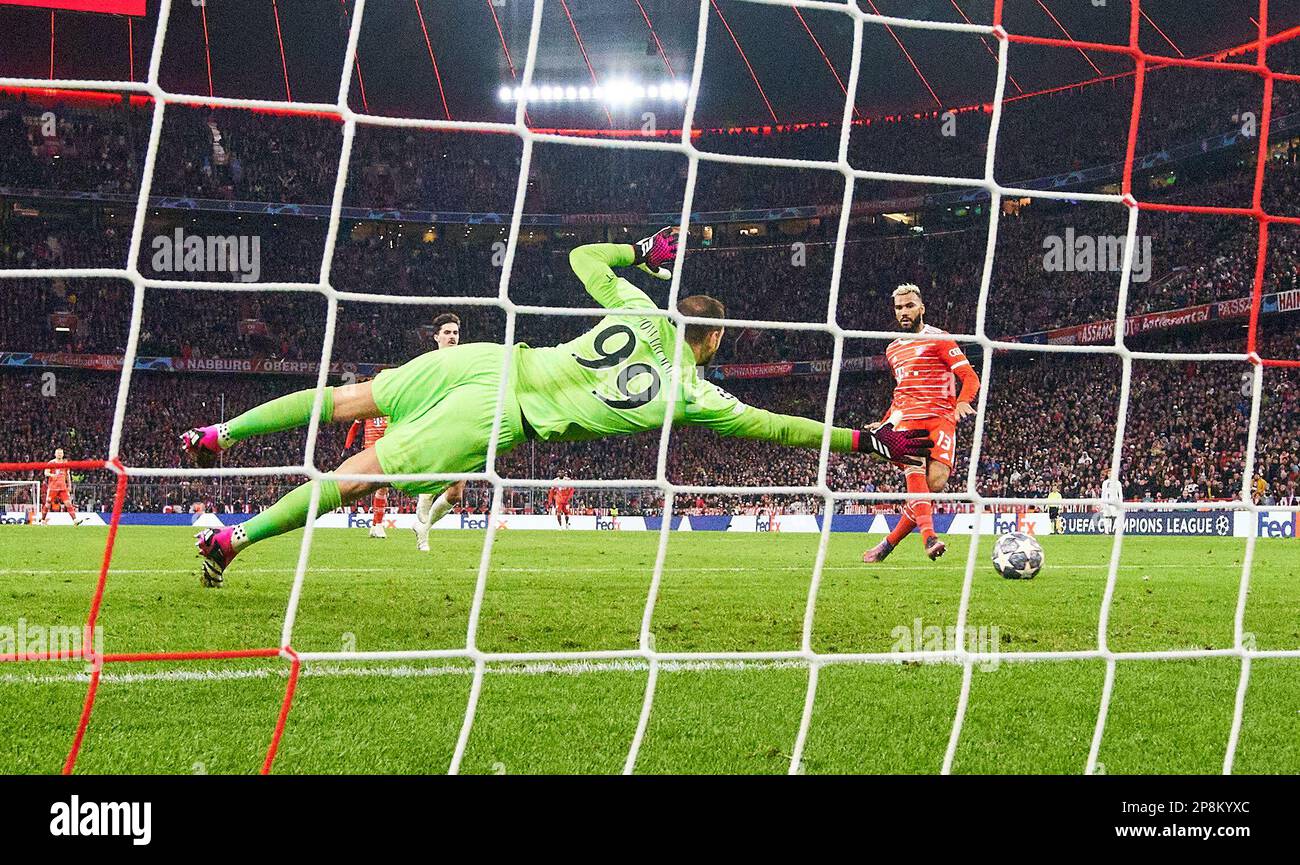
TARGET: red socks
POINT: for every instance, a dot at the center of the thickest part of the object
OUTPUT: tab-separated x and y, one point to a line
922	509
904	527
380	503
917	512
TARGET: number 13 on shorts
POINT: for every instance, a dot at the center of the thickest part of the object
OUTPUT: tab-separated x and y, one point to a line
945	445
944	433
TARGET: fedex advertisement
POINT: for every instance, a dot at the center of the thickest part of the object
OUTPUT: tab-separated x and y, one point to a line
1275	524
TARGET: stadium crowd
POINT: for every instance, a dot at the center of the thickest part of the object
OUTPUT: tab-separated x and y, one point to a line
1050	420
46	145
1189	260
274	158
48	142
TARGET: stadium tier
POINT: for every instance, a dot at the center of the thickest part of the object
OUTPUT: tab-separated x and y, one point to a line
1048	423
1116	252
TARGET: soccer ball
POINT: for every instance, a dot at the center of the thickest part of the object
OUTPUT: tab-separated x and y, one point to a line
1017	556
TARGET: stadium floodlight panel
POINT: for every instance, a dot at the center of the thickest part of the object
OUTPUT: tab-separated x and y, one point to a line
616	92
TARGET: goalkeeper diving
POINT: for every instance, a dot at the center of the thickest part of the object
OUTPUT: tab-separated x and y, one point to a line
441	405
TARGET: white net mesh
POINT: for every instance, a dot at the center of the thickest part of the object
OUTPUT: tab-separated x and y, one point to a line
646	650
20	495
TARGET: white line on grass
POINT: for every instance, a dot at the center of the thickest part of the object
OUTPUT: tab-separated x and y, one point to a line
583	569
535	668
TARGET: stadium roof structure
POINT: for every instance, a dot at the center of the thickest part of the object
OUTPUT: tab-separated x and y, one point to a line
767	63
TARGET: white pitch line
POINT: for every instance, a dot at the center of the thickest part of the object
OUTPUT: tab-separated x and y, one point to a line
464	669
536	668
593	569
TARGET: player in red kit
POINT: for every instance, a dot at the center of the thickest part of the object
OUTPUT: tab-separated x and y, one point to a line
373	429
557	501
58	492
925	398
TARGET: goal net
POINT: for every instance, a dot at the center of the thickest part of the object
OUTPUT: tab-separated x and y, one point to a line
966	657
20	496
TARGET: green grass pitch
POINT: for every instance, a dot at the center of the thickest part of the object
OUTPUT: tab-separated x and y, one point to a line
560	592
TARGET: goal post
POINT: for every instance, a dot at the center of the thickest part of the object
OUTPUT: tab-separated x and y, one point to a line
22	497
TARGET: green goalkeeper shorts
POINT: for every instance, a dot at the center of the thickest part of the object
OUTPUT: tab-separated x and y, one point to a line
440	408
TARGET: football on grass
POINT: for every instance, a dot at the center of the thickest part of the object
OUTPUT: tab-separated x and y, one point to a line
1017	556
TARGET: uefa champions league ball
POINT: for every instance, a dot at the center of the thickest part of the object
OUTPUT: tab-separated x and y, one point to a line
1017	556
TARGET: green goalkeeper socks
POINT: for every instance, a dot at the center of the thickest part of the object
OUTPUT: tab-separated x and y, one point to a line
282	413
289	513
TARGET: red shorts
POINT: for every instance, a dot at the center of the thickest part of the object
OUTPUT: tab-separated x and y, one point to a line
562	507
944	432
62	497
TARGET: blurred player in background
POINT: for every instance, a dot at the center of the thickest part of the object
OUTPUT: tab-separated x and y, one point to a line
1111	494
58	491
427	512
558	498
373	429
925	399
607	382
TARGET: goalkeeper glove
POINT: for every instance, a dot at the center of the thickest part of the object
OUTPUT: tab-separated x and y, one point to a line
906	447
655	254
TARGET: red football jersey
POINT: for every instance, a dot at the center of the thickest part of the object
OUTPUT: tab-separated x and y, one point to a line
375	429
58	479
561	495
923	376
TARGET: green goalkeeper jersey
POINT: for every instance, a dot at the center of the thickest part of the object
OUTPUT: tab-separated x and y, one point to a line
614	379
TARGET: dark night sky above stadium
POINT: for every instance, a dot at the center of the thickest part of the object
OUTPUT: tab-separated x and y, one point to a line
463	37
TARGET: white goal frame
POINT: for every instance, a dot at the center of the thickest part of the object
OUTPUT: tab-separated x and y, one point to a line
646	650
34	488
